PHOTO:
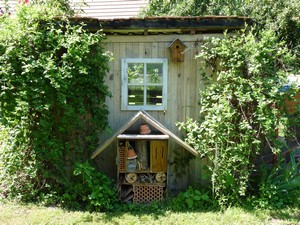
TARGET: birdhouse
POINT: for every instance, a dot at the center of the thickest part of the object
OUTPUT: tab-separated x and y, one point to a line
177	48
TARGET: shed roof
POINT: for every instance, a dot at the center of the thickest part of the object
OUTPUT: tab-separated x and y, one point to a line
157	25
151	121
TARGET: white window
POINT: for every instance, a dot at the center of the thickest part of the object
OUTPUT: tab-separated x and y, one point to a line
144	84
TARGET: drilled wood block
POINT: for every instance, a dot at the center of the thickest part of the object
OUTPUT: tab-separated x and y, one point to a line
122	159
145	193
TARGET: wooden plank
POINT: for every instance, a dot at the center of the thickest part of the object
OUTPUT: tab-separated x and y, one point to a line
10	4
154	48
187	83
120	115
129	50
143	137
148	50
158	156
141	47
135	50
107	2
104	9
119	5
194	81
108	81
162	54
180	92
116	94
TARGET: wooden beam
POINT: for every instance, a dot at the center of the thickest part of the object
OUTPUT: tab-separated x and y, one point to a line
143	137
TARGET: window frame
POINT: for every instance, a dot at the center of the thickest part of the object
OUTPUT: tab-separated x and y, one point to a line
124	84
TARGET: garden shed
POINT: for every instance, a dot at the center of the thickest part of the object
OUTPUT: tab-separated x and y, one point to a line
154	78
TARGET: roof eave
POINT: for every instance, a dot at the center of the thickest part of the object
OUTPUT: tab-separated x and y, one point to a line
165	24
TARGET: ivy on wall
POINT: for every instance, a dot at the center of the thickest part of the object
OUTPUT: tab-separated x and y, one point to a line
52	101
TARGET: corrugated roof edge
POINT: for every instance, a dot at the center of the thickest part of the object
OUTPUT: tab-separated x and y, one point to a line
153	24
165	17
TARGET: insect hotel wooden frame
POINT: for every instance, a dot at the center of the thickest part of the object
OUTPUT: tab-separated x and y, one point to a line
142	159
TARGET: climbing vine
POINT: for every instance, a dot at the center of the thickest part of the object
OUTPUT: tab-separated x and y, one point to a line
242	108
52	101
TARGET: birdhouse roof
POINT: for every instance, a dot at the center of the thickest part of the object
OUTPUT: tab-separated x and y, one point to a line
176	41
151	121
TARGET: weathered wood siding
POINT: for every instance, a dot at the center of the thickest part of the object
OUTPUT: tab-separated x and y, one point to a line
11	5
184	82
108	9
101	9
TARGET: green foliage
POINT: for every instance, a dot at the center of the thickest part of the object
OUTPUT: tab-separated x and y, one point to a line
194	7
53	7
52	101
180	161
282	16
241	108
92	188
193	199
280	186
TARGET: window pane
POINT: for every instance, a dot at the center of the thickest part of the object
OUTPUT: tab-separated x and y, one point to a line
135	95
135	73
154	73
154	95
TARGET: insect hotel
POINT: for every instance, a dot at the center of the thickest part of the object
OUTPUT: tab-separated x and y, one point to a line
155	81
142	158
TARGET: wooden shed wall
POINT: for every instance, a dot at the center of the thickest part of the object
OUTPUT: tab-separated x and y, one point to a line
101	9
184	82
11	4
108	9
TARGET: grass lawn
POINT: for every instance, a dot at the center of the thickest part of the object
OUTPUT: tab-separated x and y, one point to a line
11	213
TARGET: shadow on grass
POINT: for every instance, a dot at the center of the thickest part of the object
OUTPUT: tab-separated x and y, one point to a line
161	209
287	214
155	210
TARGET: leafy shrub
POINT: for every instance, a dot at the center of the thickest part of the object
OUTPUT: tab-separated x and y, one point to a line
92	189
278	187
241	108
193	199
52	101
